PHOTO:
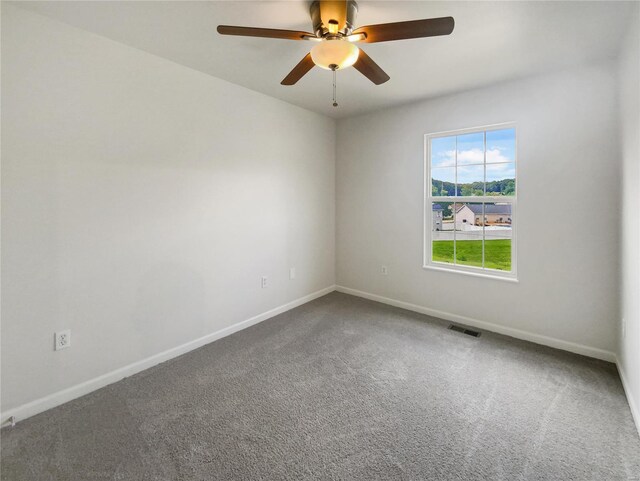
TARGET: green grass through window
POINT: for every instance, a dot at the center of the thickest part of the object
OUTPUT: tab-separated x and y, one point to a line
497	253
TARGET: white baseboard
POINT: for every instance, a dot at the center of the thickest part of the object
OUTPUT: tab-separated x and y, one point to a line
488	326
635	409
39	405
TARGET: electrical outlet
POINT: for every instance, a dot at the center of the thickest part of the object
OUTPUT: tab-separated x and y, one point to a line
384	270
292	273
624	328
62	339
263	282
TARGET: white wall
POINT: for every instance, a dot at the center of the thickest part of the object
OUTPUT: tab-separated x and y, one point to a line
568	176
141	203
629	98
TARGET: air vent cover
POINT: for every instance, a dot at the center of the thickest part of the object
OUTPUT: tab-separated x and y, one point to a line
464	330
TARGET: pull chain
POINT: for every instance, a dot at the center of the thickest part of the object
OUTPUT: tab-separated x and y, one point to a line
335	101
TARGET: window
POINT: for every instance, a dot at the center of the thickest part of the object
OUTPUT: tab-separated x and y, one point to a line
470	200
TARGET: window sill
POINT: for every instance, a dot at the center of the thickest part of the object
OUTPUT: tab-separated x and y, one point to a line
507	278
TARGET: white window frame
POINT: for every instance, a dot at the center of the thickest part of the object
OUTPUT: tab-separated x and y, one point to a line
428	262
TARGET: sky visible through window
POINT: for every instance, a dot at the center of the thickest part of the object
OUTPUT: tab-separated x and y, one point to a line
471	171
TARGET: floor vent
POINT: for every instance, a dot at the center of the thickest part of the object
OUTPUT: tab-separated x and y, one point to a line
468	332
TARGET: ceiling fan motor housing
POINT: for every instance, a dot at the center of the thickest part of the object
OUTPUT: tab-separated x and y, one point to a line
348	11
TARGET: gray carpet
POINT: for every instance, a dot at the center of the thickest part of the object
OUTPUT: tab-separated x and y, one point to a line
342	388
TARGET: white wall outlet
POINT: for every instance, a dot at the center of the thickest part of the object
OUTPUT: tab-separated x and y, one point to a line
384	270
263	282
62	339
292	273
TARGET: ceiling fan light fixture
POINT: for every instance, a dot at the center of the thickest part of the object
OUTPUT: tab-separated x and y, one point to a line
334	53
334	30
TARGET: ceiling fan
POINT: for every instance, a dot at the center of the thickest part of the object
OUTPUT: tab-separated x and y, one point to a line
333	23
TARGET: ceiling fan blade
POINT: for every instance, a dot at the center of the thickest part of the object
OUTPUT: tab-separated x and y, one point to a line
299	70
385	32
263	32
367	67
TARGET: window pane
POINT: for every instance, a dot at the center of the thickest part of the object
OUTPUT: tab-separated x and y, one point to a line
498	235
442	232
473	234
471	148
443	181
469	227
501	179
470	180
501	146
443	152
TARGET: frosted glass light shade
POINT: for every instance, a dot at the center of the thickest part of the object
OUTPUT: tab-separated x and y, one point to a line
335	52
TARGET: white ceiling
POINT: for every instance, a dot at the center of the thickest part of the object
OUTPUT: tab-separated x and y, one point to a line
492	42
